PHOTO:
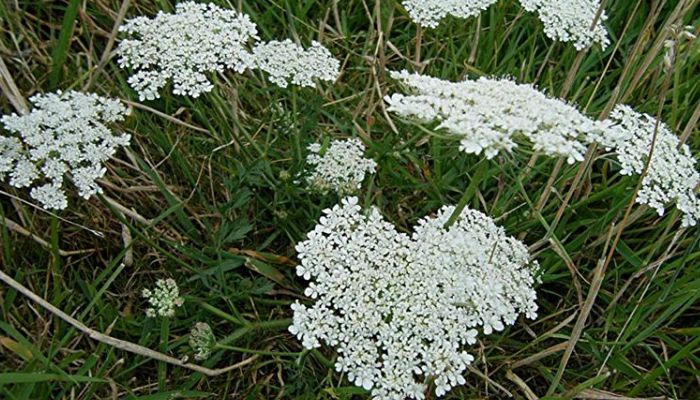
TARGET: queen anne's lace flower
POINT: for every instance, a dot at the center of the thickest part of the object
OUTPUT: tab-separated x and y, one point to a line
489	115
342	167
202	38
563	20
286	61
429	12
402	309
571	21
64	134
671	176
182	47
163	299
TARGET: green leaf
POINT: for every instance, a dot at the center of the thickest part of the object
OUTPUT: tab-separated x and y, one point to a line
58	56
173	394
219	269
267	271
233	232
29	377
16	348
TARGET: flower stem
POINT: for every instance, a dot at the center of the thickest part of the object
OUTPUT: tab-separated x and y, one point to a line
256	326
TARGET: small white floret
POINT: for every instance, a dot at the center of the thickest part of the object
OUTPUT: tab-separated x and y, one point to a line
164	299
286	62
341	168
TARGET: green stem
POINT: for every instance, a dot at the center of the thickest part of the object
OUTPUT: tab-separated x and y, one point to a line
320	357
468	194
220	313
256	326
163	367
254	351
55	251
272	301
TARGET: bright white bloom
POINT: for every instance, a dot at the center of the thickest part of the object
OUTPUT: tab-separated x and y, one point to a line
201	38
672	174
571	21
342	167
64	134
202	340
184	46
163	299
563	20
429	12
50	195
286	61
403	309
490	115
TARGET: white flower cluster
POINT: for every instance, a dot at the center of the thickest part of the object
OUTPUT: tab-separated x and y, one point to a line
201	38
490	114
571	21
202	340
342	167
429	12
563	20
402	309
286	61
672	174
64	134
183	46
163	299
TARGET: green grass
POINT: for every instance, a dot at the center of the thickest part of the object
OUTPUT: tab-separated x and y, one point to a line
225	219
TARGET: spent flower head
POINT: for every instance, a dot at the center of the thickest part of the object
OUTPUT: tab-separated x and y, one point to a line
163	299
677	35
341	168
184	46
202	341
286	62
403	309
66	134
489	115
